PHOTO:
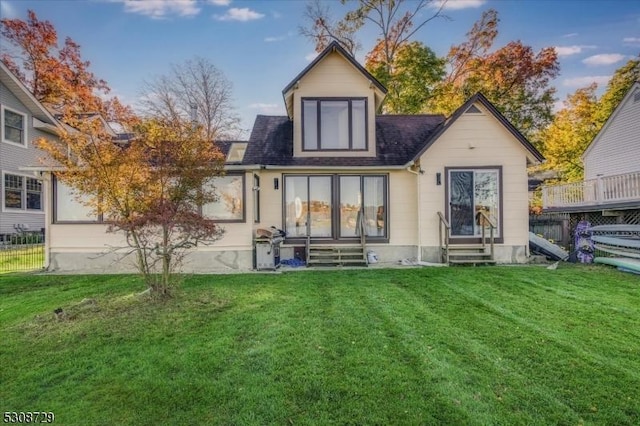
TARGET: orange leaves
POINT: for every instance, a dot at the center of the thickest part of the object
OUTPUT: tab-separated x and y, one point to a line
57	77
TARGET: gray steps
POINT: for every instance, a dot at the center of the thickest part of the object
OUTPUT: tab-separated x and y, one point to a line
470	254
336	255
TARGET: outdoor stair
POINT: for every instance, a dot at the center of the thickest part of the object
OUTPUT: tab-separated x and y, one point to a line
470	254
336	255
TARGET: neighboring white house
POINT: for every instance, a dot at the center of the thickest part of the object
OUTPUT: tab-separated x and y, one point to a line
611	167
334	174
24	120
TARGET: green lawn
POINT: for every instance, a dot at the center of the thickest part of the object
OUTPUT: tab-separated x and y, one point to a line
454	346
22	259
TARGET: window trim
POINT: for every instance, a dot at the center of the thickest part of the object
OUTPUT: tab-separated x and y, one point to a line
54	213
25	118
23	195
319	101
335	216
256	198
474	239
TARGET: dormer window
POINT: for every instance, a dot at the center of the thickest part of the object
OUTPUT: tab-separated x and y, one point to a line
334	124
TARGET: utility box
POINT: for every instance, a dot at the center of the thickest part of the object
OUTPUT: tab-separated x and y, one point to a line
267	254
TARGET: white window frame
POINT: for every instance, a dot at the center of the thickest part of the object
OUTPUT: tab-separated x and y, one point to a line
23	194
25	117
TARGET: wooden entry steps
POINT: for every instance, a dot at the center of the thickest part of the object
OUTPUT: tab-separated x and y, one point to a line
470	254
336	255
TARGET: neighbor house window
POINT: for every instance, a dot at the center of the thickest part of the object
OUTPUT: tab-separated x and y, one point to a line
334	124
67	207
22	193
14	127
229	206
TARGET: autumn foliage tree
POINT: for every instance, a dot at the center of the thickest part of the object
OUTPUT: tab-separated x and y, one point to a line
576	125
149	190
514	78
411	77
57	76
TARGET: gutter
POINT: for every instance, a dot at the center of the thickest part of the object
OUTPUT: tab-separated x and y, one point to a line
410	169
303	167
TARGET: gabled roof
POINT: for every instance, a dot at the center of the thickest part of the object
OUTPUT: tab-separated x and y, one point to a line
398	138
479	98
334	46
23	94
635	86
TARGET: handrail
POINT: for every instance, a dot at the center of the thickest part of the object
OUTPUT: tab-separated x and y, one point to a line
484	220
363	238
444	251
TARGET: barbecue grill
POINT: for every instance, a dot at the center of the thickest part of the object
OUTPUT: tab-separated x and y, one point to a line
267	246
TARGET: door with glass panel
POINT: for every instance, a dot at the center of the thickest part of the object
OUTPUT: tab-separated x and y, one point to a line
472	192
362	198
308	206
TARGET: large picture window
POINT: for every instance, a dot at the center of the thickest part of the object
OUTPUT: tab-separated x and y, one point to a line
14	127
22	193
334	124
229	207
67	206
331	206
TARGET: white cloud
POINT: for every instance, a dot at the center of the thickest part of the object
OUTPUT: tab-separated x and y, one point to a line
274	39
271	109
457	4
572	50
220	2
603	59
160	9
631	40
585	81
239	14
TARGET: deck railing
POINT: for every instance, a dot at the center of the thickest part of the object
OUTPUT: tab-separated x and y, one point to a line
601	191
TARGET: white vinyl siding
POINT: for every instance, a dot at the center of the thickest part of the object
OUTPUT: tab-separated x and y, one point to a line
616	149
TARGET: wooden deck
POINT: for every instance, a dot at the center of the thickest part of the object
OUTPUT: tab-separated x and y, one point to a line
604	191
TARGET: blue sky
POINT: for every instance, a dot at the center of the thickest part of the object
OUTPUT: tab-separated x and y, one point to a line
256	44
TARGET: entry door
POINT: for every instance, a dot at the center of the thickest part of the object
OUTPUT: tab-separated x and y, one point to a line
472	191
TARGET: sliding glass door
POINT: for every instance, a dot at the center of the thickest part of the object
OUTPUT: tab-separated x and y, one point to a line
331	206
471	192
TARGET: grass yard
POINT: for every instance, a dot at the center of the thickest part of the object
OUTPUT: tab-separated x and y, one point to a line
463	346
21	259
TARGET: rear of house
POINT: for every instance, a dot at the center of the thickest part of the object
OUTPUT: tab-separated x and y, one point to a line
334	174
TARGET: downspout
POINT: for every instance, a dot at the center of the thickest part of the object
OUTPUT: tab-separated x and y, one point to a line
410	169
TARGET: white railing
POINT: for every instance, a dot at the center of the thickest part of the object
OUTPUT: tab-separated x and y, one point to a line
601	191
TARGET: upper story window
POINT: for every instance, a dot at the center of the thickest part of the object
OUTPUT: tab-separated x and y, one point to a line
334	124
14	127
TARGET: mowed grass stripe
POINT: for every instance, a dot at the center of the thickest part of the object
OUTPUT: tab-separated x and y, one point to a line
403	346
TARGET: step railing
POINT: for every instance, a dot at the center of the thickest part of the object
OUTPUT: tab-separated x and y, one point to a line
485	222
444	232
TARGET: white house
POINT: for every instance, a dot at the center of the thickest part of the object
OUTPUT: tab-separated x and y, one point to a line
334	175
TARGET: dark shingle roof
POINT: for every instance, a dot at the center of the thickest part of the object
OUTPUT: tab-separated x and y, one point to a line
399	138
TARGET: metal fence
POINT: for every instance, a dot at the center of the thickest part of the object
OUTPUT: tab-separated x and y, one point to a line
21	252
